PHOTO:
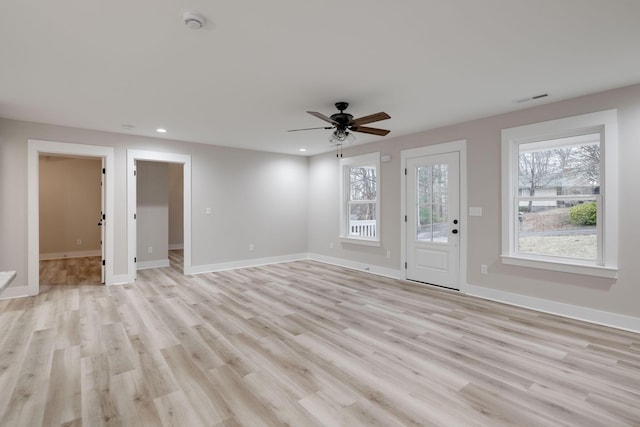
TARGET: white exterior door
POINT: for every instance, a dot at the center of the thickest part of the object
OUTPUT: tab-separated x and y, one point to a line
433	219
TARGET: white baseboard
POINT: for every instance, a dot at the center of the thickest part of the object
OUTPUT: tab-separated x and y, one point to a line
370	268
15	292
605	318
121	279
175	246
74	254
254	262
158	263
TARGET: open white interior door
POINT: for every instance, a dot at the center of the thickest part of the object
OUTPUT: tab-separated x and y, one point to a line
101	222
433	219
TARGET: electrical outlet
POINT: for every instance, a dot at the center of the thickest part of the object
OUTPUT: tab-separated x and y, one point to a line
252	247
330	245
79	241
207	211
150	249
388	254
484	269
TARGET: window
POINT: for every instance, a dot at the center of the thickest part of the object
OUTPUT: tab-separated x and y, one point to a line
560	195
360	201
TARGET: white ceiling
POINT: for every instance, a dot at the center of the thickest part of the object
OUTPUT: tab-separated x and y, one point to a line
257	66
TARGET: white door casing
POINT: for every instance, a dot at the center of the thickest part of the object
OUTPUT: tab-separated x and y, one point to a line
185	160
35	148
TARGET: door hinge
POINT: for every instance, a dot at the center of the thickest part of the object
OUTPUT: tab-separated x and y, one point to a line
135	259
104	171
104	262
135	216
135	172
405	218
405	171
104	216
405	265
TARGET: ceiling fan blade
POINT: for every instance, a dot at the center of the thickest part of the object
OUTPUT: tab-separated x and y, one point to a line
296	130
373	131
370	119
322	117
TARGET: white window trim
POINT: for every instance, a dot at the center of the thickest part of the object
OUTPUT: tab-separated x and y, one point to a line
371	159
604	122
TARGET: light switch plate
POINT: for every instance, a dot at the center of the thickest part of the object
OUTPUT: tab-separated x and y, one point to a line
475	211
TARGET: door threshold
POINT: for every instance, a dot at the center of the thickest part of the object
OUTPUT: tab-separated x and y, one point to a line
435	285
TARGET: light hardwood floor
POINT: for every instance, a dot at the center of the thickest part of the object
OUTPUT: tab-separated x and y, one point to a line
71	271
304	344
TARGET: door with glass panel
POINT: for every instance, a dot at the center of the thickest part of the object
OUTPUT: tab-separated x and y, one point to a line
433	221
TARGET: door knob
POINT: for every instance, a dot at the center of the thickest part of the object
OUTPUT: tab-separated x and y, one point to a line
454	231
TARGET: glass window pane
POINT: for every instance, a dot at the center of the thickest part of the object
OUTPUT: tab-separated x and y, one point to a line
440	224
424	176
432	218
563	166
560	228
362	183
423	227
362	219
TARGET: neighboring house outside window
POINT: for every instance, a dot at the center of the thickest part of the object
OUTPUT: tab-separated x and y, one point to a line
560	195
360	199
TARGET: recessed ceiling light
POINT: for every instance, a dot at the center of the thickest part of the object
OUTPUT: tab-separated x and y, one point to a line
161	130
303	150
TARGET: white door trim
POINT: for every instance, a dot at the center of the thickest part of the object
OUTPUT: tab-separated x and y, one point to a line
447	147
35	147
185	160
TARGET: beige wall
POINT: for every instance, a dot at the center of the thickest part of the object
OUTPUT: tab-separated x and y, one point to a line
152	211
483	137
70	205
255	197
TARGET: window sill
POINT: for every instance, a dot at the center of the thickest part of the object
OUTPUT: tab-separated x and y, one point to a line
575	268
360	241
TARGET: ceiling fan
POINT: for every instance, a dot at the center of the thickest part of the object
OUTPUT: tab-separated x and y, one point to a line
344	124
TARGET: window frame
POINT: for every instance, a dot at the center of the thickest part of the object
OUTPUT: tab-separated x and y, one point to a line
346	163
603	122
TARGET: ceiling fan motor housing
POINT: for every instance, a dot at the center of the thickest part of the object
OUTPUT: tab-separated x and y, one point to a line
343	119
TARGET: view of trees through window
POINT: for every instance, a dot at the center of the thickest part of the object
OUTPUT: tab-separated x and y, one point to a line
432	203
558	188
362	201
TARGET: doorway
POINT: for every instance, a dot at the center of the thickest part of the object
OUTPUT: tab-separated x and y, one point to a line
35	149
433	202
134	156
71	203
159	215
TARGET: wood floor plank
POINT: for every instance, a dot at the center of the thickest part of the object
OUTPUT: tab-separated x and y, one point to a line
64	394
300	344
204	396
29	396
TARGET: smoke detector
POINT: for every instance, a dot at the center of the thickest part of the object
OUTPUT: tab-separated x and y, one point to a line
193	20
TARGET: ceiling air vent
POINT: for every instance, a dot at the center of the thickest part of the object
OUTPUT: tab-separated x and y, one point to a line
531	98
